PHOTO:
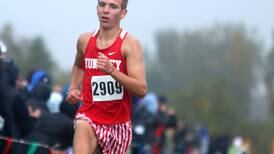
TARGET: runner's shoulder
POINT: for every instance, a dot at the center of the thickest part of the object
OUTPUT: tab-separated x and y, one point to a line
131	42
83	41
84	38
131	39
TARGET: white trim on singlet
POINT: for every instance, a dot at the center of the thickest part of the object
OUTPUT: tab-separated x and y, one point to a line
123	34
95	32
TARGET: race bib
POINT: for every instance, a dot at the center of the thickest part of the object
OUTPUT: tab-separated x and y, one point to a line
105	88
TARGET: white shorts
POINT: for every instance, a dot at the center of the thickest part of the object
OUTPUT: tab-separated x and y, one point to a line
113	139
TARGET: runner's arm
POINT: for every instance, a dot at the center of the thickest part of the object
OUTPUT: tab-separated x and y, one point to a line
74	94
135	81
76	73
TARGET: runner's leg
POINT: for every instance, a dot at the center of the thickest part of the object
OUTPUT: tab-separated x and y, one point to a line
84	140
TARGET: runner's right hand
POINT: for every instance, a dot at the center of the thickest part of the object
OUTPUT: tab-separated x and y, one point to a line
73	96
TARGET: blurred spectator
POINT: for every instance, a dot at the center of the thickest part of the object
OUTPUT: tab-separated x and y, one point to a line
6	114
180	138
41	91
171	129
56	98
54	130
54	102
18	111
219	144
67	108
21	86
143	124
23	111
36	77
172	118
150	102
159	144
236	146
246	146
204	139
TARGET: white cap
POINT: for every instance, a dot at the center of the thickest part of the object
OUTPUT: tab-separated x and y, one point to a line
3	47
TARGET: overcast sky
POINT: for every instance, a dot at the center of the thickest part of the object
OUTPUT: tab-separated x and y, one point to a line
60	22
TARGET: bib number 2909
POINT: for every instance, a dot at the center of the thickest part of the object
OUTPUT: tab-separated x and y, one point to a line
105	88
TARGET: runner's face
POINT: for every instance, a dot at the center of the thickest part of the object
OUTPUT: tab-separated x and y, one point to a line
110	12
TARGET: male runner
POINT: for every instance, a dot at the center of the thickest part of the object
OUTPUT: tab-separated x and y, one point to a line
111	61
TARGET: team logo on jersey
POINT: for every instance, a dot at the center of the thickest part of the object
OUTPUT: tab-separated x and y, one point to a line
111	53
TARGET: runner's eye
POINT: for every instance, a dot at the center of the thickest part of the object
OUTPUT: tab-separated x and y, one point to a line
114	6
102	4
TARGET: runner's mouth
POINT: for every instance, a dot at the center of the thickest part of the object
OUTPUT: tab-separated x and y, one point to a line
104	18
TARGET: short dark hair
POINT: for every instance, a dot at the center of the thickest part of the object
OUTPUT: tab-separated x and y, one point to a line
123	5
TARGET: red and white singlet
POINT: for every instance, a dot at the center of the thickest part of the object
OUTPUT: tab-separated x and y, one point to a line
105	101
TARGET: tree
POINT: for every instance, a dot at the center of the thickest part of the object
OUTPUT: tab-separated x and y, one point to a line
270	75
39	55
208	72
28	54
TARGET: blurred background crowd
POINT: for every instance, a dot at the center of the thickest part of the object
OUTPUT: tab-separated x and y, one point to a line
35	118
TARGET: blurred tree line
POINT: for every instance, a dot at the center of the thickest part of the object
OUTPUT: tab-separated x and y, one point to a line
208	74
30	54
211	74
